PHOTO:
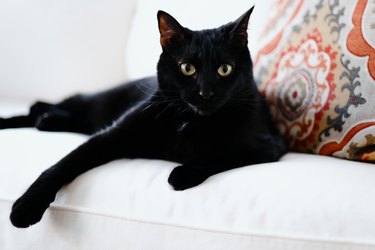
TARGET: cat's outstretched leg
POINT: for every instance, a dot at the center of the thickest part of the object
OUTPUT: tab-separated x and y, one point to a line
29	208
132	137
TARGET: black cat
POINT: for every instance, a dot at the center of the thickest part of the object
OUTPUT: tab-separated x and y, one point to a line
202	110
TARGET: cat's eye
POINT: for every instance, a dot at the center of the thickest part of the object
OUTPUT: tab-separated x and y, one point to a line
225	70
187	69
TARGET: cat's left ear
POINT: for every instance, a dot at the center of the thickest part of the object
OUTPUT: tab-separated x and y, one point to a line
170	30
239	32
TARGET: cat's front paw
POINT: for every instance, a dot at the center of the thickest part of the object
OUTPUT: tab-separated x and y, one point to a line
184	177
28	210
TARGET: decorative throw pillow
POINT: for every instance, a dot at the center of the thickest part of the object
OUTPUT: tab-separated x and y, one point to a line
316	67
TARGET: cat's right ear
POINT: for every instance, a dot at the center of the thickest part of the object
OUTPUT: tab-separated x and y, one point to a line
239	32
170	30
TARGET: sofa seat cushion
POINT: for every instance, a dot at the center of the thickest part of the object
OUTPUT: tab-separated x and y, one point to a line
302	202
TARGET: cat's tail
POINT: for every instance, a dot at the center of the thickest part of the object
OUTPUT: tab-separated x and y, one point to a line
26	121
23	121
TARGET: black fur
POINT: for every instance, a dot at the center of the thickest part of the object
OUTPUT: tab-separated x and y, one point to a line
206	122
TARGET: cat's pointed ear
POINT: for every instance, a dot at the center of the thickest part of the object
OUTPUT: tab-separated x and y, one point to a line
170	30
239	31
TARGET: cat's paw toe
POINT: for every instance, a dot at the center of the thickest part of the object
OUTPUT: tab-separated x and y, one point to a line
183	177
44	121
26	212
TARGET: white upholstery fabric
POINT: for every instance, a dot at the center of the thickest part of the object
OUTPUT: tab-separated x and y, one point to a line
49	49
302	202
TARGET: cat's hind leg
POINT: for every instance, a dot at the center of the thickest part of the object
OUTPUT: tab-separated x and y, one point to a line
61	121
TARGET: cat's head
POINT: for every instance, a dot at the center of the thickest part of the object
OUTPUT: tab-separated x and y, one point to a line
206	68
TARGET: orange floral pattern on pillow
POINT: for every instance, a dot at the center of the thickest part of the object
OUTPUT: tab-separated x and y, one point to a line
282	7
319	78
357	43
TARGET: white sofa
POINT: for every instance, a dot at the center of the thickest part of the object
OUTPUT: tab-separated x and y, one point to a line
51	49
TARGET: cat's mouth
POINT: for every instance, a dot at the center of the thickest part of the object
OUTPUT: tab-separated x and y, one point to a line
205	107
203	110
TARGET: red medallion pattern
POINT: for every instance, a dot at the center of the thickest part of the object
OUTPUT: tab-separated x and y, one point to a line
300	88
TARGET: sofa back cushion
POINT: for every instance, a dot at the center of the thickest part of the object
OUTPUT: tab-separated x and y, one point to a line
49	49
316	67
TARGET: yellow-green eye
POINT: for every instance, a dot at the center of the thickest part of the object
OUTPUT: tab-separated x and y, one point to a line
225	70
187	69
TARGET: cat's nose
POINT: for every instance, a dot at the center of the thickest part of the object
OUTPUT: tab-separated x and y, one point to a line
206	94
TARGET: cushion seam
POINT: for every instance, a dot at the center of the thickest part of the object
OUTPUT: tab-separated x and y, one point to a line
77	210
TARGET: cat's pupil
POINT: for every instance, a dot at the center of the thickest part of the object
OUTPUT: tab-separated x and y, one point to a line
187	67
225	68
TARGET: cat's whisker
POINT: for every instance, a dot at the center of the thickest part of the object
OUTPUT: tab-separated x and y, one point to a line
159	102
145	89
184	108
161	112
